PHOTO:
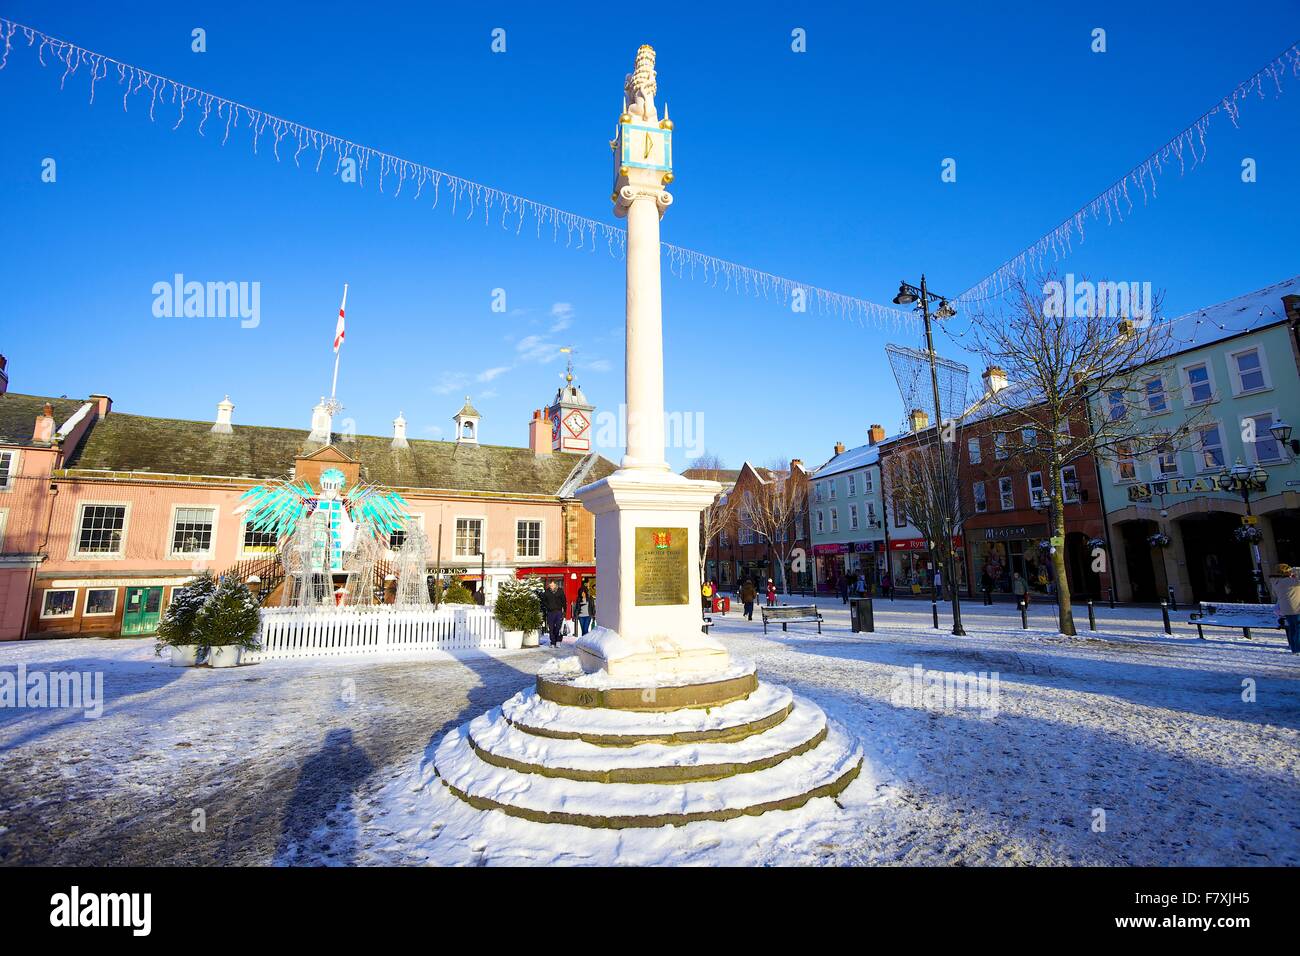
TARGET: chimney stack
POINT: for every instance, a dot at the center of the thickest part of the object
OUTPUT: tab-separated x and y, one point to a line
222	425
539	433
4	375
43	432
918	420
839	448
399	432
995	380
796	463
875	434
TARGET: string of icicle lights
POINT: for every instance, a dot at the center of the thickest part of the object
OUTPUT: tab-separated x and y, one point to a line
1115	201
475	198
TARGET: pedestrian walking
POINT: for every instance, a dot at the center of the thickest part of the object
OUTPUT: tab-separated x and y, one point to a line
747	594
844	589
553	609
986	585
1019	588
771	593
583	609
887	586
1286	589
938	584
706	596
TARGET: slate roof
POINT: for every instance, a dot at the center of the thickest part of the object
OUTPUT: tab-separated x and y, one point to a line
138	443
18	415
859	457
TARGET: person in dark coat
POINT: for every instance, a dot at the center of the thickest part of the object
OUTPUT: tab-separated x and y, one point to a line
887	586
747	594
553	609
584	609
986	585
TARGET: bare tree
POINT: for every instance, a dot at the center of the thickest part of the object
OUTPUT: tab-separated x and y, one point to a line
1074	380
773	510
919	477
717	516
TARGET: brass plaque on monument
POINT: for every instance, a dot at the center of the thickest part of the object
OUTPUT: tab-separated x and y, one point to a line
660	566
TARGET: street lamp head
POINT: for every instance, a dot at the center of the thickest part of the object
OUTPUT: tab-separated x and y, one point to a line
945	310
905	295
1281	431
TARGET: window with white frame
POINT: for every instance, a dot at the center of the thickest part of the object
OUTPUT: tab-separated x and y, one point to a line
722	538
872	522
1116	407
1000	445
101	529
1029	437
4	519
8	468
1255	433
853	485
831	487
100	602
469	537
835	519
900	514
746	530
817	488
1200	386
973	450
1157	400
1070	485
528	538
853	517
1249	372
258	542
868	482
1037	493
1126	466
59	602
1210	456
981	497
821	521
1166	460
1006	494
192	531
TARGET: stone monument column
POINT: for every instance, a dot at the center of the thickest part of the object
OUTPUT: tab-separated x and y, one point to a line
647	517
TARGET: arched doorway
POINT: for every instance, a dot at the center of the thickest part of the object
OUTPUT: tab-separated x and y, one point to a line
1084	582
1139	559
1218	565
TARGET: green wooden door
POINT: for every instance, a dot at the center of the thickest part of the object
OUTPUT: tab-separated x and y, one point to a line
142	611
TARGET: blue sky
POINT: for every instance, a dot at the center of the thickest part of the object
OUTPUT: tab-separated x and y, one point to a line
822	166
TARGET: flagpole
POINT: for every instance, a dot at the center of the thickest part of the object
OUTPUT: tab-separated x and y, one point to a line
338	351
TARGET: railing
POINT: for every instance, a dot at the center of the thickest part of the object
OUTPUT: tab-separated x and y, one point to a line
289	632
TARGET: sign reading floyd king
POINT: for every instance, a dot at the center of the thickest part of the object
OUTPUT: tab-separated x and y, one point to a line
1145	491
660	566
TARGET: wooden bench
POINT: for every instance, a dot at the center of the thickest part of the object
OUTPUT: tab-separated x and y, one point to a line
1244	616
792	613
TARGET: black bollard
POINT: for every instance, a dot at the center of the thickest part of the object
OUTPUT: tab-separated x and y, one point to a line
1112	598
1024	615
934	610
1173	601
868	620
1164	613
1092	617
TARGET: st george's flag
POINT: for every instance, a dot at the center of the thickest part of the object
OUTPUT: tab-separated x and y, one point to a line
338	329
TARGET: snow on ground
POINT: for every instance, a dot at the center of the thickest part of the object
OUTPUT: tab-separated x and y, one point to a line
1123	747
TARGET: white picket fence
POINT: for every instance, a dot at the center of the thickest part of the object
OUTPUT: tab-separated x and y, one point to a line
329	632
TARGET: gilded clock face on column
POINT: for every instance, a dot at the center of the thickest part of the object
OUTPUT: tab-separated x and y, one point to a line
646	147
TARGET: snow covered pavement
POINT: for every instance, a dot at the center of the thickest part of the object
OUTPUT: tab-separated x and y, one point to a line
1131	748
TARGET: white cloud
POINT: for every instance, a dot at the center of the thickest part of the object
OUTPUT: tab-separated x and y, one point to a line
490	373
562	316
597	365
451	382
533	348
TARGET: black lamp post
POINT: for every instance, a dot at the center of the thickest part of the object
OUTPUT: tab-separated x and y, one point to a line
1244	479
907	295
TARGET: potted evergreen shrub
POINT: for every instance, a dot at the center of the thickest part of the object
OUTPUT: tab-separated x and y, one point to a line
228	623
176	629
518	612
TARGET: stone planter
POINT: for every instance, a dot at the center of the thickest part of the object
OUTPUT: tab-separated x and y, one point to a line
228	656
185	655
512	640
531	639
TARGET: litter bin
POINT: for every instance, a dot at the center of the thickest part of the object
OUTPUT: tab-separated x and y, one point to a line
862	615
721	605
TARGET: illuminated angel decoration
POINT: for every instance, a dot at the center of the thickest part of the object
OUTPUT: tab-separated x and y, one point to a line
340	523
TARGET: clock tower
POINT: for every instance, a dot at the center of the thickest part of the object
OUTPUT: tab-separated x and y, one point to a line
572	418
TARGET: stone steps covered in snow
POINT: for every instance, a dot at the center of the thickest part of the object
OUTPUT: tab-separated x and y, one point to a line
823	771
766	707
501	744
